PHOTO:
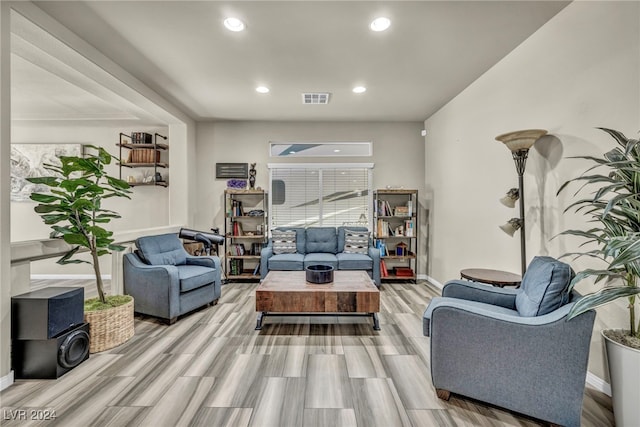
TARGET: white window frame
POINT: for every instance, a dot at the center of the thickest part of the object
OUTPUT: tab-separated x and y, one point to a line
320	167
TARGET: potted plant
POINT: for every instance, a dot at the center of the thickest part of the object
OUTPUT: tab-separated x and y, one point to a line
614	239
74	211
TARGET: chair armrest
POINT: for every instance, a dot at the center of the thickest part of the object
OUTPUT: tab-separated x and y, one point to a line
204	261
154	288
480	292
374	253
265	254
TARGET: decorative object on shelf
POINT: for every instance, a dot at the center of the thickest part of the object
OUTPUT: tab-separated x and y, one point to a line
237	184
519	142
252	177
510	199
75	211
232	170
614	228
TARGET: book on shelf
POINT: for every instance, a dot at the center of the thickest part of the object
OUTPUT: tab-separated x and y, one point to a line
141	138
236	208
237	249
383	269
409	228
256	248
236	267
403	271
237	229
256	270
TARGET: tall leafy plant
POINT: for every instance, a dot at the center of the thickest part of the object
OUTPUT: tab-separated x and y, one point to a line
74	208
613	209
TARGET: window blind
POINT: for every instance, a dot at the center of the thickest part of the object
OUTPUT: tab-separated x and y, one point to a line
311	195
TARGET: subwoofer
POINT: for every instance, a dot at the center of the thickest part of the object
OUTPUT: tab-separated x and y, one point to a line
49	335
46	313
51	358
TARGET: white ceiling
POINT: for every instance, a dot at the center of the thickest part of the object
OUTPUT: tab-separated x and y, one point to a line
433	50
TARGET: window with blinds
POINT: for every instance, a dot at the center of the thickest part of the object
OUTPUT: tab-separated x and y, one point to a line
316	195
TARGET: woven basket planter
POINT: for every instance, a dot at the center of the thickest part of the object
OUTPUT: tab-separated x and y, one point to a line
110	328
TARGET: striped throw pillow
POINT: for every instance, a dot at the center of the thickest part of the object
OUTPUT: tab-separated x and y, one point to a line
356	242
284	242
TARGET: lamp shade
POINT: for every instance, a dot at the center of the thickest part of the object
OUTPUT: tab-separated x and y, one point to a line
521	139
511	226
510	199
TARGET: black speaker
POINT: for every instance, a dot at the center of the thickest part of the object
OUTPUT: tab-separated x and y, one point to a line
50	358
46	313
49	334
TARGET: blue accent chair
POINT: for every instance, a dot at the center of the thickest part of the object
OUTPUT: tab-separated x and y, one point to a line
513	348
166	281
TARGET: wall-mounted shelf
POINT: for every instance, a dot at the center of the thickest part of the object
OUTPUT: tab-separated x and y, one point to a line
143	155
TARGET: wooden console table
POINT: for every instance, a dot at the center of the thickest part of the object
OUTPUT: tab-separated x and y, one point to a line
493	277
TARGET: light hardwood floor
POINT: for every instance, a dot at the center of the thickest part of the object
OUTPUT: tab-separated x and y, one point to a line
212	368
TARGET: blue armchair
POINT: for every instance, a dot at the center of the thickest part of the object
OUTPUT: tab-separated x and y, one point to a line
165	281
513	348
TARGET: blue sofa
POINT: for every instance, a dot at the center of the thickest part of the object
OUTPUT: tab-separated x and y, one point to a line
166	281
321	245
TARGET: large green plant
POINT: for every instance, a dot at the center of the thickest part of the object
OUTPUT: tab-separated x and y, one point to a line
74	207
614	211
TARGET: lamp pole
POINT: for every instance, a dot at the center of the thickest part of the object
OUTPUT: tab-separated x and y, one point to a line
520	159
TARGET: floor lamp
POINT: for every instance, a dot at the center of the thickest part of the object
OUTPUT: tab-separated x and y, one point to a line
519	142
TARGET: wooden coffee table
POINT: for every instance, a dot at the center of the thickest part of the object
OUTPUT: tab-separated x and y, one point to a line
287	292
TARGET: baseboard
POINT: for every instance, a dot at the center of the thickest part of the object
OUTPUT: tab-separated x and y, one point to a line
434	282
598	384
6	381
68	276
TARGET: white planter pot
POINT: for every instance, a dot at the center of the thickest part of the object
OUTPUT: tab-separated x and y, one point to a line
624	374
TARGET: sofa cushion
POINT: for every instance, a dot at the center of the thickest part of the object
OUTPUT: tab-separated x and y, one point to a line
349	261
543	287
321	240
341	233
320	258
300	237
286	262
356	242
162	249
195	276
284	242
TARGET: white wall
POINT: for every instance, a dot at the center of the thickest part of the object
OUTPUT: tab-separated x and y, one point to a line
579	71
147	208
398	153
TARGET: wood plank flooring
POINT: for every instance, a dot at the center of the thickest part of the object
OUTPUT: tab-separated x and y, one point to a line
212	368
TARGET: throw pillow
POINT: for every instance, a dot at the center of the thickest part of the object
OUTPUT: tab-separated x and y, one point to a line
544	287
284	242
356	242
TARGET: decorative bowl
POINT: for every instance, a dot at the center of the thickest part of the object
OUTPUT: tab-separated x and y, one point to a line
319	274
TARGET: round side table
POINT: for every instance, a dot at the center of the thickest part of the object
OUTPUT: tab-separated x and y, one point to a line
493	277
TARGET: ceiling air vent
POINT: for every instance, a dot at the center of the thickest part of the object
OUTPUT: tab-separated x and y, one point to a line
315	98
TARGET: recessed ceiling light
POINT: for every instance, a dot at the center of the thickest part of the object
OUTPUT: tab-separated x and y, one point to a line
262	89
234	24
336	151
359	89
380	24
